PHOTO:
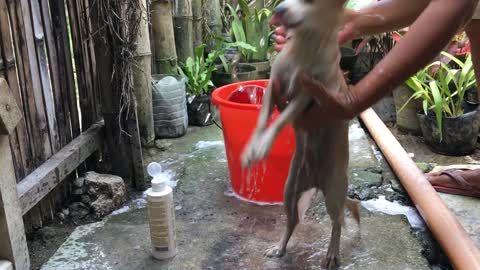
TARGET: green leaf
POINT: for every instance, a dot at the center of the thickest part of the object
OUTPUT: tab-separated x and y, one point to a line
453	58
438	102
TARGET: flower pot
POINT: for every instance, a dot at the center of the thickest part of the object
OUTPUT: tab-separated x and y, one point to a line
245	72
170	119
199	110
263	69
407	120
348	58
471	96
459	134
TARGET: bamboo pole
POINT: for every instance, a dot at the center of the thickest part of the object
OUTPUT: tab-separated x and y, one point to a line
142	81
163	37
456	243
183	23
197	10
213	17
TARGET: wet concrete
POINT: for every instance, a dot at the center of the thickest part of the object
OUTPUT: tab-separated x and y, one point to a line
216	231
466	209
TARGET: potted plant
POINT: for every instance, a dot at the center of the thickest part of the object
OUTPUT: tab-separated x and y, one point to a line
251	26
231	70
449	126
198	72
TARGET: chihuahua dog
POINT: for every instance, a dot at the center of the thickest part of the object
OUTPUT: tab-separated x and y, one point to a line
321	157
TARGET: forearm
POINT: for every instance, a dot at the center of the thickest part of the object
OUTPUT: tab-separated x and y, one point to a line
428	35
385	16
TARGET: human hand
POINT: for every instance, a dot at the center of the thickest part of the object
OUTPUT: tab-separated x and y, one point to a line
329	107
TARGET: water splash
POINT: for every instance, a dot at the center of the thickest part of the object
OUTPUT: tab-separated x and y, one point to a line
233	194
394	208
207	144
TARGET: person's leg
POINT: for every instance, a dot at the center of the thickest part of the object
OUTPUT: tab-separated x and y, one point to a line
473	33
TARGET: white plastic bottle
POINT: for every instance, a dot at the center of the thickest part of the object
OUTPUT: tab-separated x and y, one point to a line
161	214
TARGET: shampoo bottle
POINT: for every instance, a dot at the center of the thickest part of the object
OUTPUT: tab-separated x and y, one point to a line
161	214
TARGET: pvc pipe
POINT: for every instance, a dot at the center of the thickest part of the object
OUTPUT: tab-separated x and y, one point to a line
456	243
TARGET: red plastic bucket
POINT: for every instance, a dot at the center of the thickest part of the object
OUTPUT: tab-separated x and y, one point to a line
264	183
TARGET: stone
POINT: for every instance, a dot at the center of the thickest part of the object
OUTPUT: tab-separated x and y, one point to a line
106	192
46	233
61	216
66	212
424	167
79	210
78	191
162	144
79	182
85	199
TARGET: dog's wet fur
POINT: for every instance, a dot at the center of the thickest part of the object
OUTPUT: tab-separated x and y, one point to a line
320	160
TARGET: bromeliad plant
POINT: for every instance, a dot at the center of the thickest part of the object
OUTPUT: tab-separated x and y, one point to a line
441	88
197	71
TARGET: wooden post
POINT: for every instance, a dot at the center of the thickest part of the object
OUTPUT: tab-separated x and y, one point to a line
142	81
183	20
13	242
163	37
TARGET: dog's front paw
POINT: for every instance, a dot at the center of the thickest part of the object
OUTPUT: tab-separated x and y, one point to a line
330	261
274	251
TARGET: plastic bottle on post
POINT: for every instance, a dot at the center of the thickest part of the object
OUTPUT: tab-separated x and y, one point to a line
161	214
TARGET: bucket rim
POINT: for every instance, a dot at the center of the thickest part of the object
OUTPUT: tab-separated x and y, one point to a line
219	101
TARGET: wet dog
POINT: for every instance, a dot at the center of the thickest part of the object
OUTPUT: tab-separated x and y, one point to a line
321	157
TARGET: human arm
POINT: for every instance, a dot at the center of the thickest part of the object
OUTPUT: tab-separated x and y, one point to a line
428	35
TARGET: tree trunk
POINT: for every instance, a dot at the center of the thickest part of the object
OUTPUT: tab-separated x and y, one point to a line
163	37
183	21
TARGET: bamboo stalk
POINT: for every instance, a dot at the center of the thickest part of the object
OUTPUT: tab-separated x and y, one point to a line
183	29
142	82
163	37
213	19
197	11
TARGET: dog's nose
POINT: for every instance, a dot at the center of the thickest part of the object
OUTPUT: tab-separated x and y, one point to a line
280	9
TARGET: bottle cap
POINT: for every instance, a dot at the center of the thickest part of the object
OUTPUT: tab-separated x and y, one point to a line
159	181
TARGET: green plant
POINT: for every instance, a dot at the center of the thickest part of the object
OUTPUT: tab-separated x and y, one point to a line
441	88
251	27
197	71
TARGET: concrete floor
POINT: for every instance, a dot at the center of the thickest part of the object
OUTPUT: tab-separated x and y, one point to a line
218	231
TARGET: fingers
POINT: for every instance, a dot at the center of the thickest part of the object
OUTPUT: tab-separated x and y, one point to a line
280	38
281	31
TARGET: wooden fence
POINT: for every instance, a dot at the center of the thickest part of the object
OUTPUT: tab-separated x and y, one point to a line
48	60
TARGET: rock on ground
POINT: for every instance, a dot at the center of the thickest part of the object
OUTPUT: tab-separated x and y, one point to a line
106	192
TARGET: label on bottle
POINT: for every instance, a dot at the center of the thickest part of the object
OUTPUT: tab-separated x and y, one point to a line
162	224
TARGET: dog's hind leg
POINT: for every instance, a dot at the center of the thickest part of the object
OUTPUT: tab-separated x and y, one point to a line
295	205
335	202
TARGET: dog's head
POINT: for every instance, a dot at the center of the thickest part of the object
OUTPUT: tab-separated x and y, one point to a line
306	14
